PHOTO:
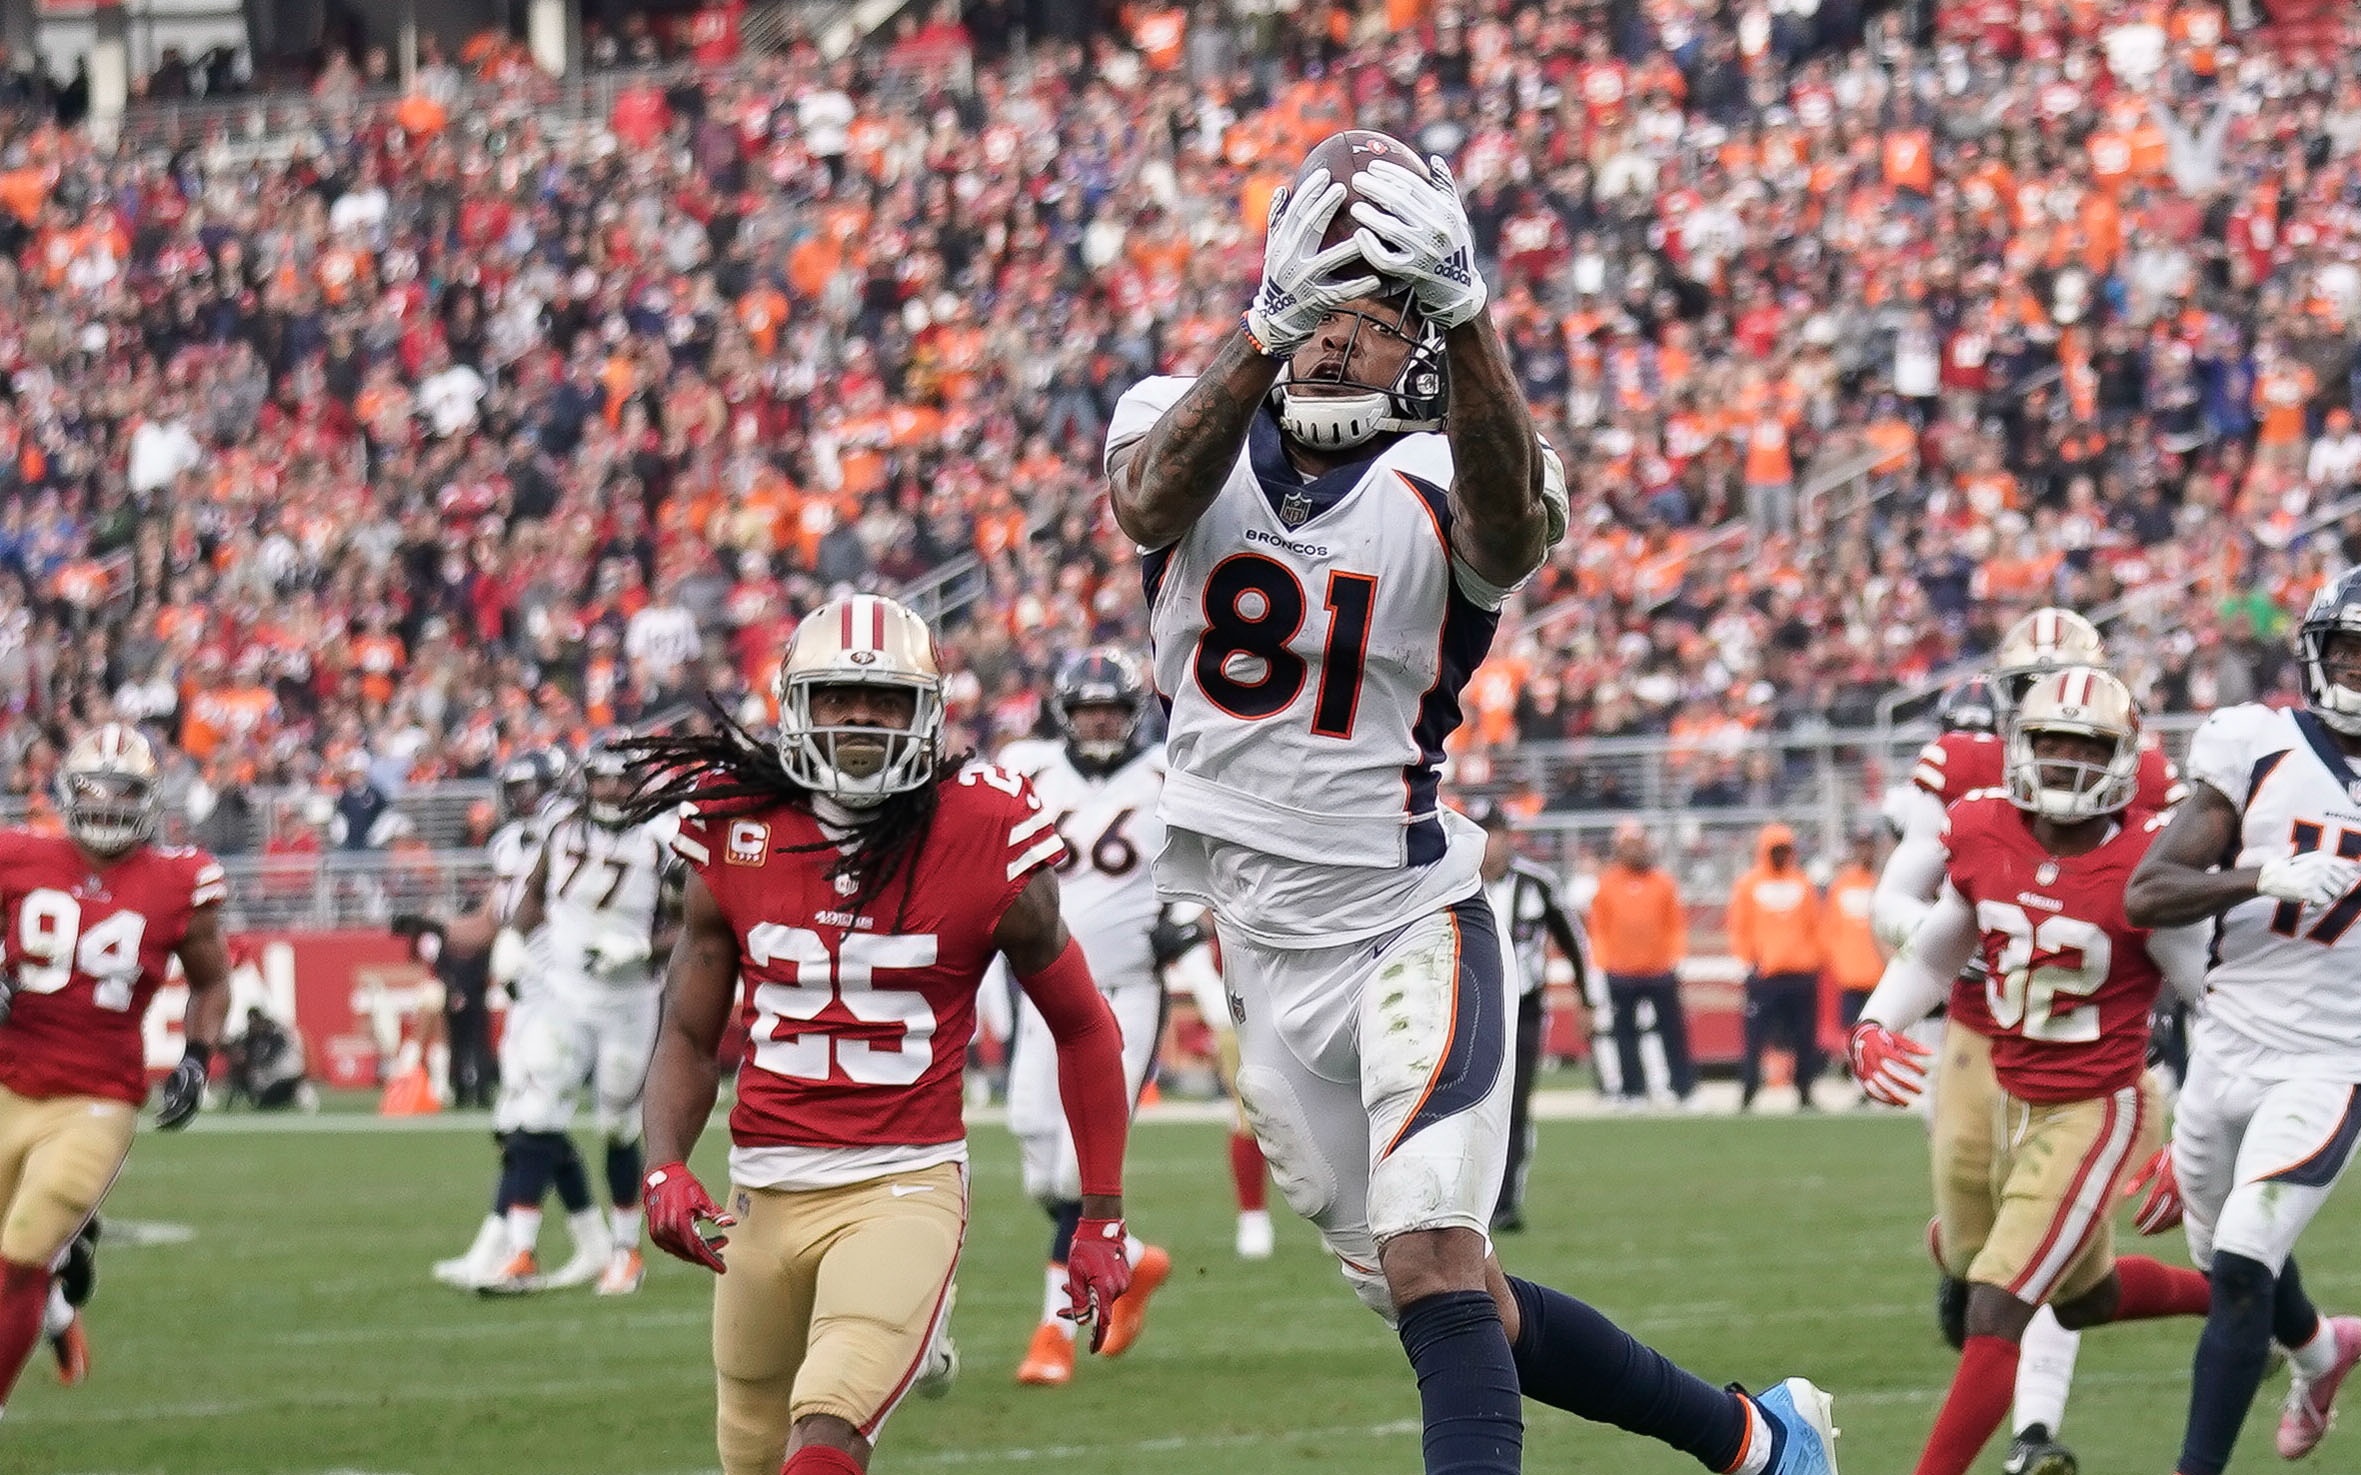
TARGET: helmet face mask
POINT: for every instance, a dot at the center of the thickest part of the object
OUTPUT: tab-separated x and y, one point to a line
607	786
841	687
107	790
1970	707
1343	412
2328	648
1099	703
2073	747
524	784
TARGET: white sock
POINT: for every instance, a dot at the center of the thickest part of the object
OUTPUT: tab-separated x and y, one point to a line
438	1070
59	1316
2045	1370
1055	1300
1254	1218
627	1222
589	1231
1133	1245
2316	1359
1757	1458
524	1229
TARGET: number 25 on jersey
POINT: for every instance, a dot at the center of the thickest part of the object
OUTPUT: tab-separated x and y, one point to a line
846	977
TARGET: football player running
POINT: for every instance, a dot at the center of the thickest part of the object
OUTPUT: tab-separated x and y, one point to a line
1967	758
860	881
598	913
1101	779
529	799
1330	518
94	918
2025	1182
2272	1106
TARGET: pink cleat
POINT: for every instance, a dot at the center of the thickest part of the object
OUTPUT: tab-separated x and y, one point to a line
2311	1405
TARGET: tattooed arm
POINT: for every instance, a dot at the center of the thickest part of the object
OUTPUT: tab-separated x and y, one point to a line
1164	481
1499	529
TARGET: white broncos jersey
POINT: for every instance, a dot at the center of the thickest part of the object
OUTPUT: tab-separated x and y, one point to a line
1312	640
603	891
2285	976
514	848
1106	883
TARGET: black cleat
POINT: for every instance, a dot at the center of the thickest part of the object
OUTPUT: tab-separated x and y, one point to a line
1951	1298
78	1276
2033	1452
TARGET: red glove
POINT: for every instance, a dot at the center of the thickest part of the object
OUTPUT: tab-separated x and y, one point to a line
1097	1274
675	1202
2161	1209
1886	1064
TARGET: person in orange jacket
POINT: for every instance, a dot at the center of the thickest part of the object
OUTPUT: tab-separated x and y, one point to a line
1775	932
1855	962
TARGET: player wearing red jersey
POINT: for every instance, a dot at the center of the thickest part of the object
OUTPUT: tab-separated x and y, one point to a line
858	882
1968	759
2024	1182
93	919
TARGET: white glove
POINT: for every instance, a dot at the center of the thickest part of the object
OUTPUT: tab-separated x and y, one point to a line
615	952
1416	230
2314	878
510	957
1299	286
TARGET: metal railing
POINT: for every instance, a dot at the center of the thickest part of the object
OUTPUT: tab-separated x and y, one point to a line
1703	801
351	889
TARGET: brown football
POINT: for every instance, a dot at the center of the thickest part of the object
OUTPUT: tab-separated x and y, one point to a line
1344	155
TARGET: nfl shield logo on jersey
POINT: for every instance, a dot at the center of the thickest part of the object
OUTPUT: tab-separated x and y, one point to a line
1295	509
2353	787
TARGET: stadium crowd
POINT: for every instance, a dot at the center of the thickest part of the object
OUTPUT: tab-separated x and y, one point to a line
455	424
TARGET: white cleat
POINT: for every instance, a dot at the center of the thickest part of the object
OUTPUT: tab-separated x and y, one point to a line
625	1270
519	1275
585	1265
482	1261
1255	1240
941	1368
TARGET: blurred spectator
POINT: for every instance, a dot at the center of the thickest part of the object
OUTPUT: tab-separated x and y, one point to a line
1776	931
1855	962
1638	936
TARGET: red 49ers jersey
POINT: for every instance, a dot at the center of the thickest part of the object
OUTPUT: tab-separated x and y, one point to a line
88	948
860	1022
2070	979
1960	764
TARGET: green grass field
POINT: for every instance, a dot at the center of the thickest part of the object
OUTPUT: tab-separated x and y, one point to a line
297	1330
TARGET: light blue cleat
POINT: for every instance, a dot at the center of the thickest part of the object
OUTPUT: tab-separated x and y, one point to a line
1807	1434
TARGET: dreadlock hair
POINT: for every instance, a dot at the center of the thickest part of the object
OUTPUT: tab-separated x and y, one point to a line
730	771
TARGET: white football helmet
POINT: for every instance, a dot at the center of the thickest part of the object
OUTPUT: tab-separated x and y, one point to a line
860	640
107	789
2046	640
2086	702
